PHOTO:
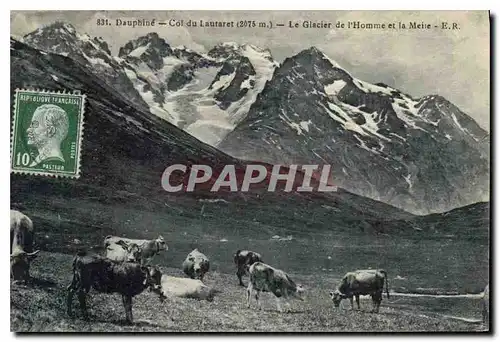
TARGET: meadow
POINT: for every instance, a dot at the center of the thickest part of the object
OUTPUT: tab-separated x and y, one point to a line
317	259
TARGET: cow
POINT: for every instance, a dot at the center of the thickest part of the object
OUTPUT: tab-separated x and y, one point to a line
243	260
121	252
196	265
268	279
485	304
149	248
361	282
186	288
21	246
108	276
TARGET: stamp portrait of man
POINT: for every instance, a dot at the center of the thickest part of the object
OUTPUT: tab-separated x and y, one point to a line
48	128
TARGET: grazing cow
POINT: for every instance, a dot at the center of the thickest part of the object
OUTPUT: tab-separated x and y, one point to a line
149	248
196	265
243	260
361	282
107	276
485	304
268	279
21	245
186	288
121	252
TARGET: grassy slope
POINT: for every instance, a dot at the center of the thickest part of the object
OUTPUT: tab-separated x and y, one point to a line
45	311
315	258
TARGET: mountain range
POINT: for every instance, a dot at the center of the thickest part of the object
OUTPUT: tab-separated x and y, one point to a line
419	154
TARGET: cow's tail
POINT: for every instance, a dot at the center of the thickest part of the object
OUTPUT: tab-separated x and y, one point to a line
386	282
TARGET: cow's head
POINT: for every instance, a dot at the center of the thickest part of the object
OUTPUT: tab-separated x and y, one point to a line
134	253
20	264
300	292
161	245
197	269
153	280
337	297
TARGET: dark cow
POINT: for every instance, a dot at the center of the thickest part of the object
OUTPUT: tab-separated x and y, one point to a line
107	276
243	260
269	279
361	282
196	265
21	246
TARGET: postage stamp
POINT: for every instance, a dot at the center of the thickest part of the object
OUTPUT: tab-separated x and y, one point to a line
47	133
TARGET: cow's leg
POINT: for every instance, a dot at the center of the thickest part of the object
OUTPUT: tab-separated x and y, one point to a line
69	298
83	303
127	303
240	273
257	294
484	312
357	301
249	293
351	299
278	304
377	299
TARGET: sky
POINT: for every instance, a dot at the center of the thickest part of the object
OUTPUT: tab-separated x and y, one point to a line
451	63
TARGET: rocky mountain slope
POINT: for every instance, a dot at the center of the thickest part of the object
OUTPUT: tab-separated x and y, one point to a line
125	151
204	94
423	155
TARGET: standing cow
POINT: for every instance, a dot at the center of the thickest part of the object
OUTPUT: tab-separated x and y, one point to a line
149	248
107	276
196	265
243	260
361	282
268	279
122	252
21	245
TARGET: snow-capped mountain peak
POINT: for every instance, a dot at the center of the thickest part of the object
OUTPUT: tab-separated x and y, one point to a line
64	39
418	154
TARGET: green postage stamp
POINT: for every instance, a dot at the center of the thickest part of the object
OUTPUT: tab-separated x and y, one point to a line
47	133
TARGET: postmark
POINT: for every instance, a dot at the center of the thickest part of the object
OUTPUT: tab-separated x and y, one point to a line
47	132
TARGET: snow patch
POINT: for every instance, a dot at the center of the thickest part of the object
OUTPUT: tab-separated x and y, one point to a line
335	87
363	145
403	116
305	125
455	120
223	82
346	121
139	51
408	180
397	136
212	200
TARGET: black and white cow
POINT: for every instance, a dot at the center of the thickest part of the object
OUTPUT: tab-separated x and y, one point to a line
243	260
196	265
269	279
